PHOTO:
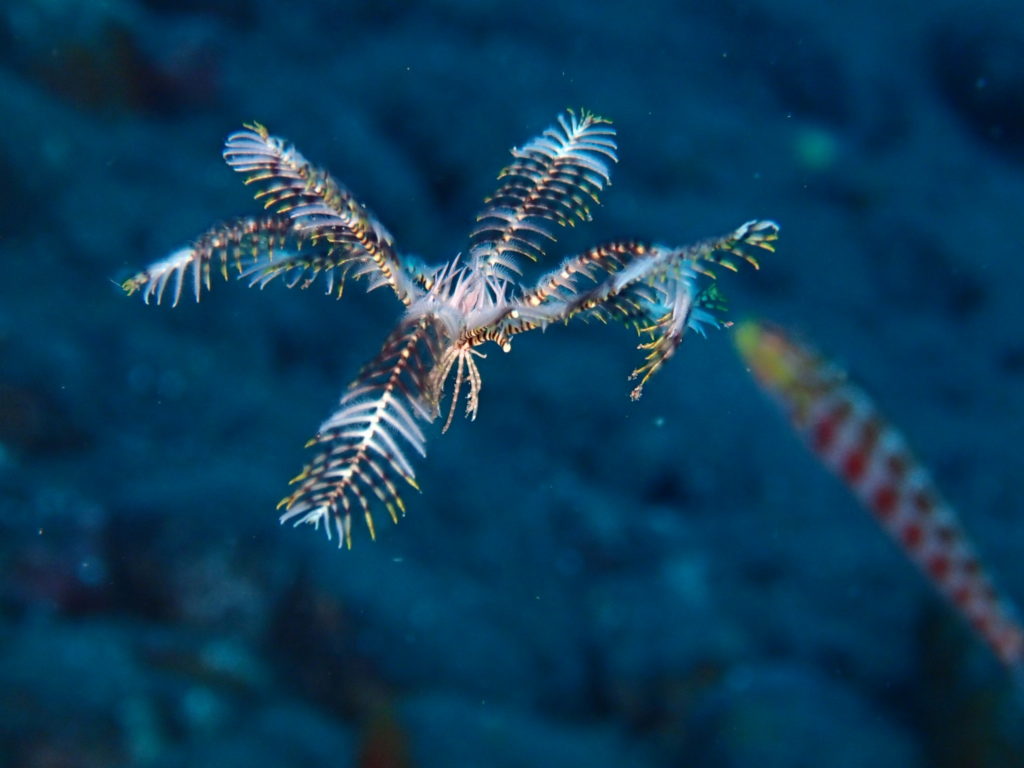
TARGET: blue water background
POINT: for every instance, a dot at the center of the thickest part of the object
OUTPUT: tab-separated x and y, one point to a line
584	581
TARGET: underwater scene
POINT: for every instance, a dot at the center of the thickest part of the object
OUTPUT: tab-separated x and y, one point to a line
346	417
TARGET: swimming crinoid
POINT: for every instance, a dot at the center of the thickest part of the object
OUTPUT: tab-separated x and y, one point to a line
315	228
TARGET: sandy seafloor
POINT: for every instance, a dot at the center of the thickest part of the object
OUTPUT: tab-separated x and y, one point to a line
583	581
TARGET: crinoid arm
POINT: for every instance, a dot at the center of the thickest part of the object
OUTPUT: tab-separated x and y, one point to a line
652	288
322	209
553	179
363	449
232	247
682	307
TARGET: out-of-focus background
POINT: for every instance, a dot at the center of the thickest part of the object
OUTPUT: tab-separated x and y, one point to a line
583	580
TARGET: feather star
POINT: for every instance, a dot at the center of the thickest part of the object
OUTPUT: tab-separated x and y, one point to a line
315	228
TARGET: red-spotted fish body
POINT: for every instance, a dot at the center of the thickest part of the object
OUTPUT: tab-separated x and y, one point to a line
850	436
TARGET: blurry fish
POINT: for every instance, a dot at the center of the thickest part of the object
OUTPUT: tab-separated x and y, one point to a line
850	436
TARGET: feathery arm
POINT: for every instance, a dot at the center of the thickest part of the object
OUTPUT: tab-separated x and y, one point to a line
258	249
321	208
653	288
238	244
364	445
553	179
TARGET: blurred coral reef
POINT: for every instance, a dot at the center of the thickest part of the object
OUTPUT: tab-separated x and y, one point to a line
586	581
